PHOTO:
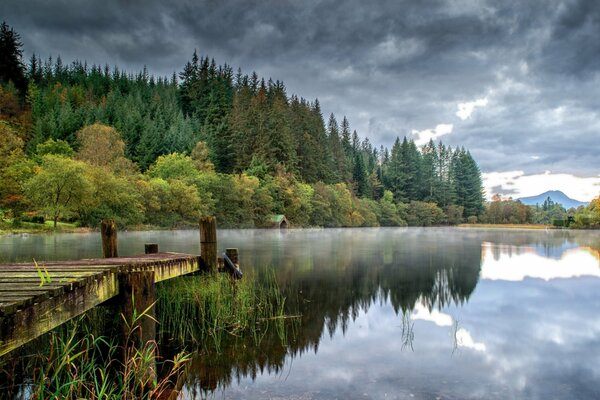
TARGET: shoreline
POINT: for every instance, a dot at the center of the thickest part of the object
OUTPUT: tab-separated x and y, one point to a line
141	228
507	226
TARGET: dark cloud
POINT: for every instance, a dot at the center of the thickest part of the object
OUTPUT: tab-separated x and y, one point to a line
393	67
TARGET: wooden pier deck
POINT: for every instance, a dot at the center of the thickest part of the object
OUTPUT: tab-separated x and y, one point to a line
31	305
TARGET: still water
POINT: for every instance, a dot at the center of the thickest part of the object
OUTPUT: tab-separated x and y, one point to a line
399	313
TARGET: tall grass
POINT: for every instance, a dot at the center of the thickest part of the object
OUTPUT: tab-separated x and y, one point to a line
78	364
207	309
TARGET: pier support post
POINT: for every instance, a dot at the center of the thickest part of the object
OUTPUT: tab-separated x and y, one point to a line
108	230
151	248
136	295
136	303
208	242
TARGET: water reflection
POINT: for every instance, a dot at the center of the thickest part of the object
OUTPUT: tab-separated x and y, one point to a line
410	313
515	263
399	297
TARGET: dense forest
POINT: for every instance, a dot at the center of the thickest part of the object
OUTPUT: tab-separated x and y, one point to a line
81	143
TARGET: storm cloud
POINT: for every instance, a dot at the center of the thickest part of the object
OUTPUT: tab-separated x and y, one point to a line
515	82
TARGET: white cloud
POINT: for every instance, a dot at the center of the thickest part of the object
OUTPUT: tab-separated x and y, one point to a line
466	109
421	312
422	137
578	188
464	339
462	336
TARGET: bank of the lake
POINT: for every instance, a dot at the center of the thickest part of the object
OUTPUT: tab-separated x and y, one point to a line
507	226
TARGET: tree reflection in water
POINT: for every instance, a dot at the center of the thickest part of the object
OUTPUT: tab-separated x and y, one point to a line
330	279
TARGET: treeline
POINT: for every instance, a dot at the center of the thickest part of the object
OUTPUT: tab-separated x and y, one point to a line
509	211
247	148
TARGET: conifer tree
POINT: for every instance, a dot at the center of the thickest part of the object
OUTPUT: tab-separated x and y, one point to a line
12	68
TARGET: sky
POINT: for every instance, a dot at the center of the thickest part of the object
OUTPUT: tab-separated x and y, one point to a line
515	82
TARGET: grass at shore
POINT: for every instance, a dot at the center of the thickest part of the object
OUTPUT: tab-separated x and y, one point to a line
507	226
7	227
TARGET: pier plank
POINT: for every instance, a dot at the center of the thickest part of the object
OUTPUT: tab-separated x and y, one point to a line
29	308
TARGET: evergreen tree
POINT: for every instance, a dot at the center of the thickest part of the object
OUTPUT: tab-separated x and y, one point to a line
11	54
359	176
468	184
338	156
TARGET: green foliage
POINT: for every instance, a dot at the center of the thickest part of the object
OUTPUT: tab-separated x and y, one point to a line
60	187
113	196
549	212
424	214
56	147
200	156
388	211
11	64
174	166
15	168
507	211
102	146
588	217
171	203
190	138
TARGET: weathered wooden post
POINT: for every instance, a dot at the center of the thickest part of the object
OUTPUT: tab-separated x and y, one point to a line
208	242
108	230
136	304
136	295
232	263
151	248
232	253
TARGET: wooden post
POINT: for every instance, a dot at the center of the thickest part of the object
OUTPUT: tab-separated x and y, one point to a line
231	263
151	248
136	292
136	296
208	242
233	256
108	230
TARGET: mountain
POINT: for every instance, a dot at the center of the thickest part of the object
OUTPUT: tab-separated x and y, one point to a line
556	195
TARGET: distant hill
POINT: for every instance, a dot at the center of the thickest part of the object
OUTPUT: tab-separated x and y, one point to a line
556	195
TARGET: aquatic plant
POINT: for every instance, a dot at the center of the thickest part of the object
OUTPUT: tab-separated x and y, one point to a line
79	364
203	310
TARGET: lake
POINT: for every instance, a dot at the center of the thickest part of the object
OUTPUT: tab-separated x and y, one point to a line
398	313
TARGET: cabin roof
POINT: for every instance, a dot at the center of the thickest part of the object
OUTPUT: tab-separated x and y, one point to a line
278	218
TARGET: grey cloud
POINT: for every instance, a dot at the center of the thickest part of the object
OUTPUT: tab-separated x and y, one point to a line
390	67
501	190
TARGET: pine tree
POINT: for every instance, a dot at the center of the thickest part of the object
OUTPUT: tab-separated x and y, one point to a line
359	176
338	157
467	183
11	54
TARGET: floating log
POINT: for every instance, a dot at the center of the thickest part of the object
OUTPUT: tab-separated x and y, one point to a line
108	230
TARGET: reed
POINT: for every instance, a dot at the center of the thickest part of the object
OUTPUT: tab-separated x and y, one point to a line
205	310
78	364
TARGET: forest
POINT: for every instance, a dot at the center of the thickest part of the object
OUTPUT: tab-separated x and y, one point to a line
85	142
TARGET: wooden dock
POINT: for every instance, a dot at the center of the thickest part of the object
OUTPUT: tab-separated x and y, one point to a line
35	299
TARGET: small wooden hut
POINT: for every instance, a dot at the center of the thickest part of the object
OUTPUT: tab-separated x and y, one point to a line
279	221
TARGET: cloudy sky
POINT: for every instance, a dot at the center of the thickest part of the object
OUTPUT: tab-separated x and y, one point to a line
516	82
